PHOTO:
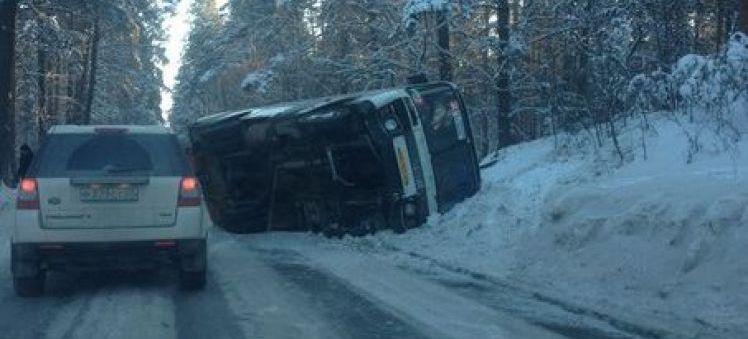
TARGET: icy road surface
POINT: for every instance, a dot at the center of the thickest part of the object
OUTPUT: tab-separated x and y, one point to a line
253	292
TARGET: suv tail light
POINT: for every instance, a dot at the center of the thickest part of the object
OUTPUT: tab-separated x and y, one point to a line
189	192
28	195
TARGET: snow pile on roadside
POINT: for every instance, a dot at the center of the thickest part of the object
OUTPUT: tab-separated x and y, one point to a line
658	236
654	239
7	201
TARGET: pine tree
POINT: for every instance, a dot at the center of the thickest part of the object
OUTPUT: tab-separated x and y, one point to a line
197	60
7	88
81	62
502	82
128	81
527	68
743	15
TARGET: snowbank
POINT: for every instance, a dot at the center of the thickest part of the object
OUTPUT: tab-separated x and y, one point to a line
7	203
659	237
658	241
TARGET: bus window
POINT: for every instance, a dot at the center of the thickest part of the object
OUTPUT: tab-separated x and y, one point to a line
442	118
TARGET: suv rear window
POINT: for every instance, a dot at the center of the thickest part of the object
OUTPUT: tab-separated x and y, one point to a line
109	154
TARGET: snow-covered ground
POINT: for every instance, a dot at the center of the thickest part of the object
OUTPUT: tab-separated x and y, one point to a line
7	201
253	292
558	235
655	247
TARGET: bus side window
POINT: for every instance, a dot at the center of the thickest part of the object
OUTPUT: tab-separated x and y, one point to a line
442	118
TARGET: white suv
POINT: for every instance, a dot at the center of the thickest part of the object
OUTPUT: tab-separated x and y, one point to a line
108	197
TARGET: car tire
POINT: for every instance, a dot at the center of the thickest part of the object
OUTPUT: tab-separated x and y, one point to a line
333	231
397	219
192	280
243	227
193	269
28	287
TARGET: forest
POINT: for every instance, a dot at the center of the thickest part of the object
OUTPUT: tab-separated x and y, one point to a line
603	192
528	69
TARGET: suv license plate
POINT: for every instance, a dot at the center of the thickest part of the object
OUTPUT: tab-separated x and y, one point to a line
122	192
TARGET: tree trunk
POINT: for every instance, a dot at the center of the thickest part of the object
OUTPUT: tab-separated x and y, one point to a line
697	27
445	60
502	83
41	79
344	48
743	17
7	88
720	31
79	97
486	115
93	53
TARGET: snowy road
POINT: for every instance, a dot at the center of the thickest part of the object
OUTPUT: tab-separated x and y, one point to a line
254	292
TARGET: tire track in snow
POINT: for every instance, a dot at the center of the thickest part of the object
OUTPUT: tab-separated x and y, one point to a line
627	327
25	317
356	316
206	314
265	305
116	306
427	306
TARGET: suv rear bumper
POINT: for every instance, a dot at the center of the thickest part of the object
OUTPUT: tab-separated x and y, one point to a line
29	258
190	224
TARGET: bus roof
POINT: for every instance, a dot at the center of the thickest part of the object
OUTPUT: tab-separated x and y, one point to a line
83	129
378	98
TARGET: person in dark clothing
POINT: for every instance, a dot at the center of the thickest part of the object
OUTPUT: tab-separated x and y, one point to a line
24	160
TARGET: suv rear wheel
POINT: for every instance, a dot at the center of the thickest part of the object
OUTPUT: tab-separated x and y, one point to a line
192	281
29	286
193	267
28	278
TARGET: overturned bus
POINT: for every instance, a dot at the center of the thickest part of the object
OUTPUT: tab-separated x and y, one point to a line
348	164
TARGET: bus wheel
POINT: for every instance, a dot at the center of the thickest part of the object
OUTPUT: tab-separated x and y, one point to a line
398	221
333	230
369	225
